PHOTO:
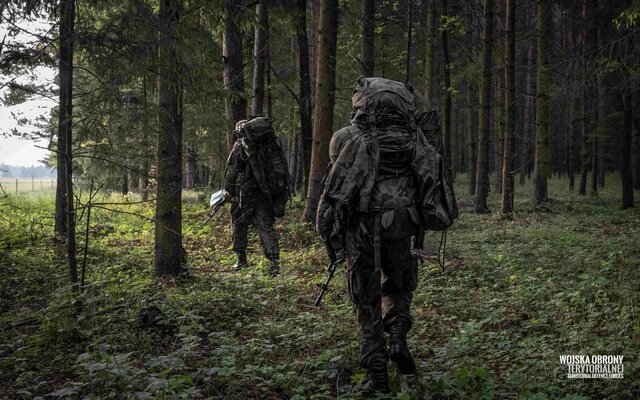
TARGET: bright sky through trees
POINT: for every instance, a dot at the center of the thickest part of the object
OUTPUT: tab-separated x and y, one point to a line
21	149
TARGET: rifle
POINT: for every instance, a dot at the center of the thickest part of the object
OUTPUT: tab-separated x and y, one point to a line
216	201
420	254
331	268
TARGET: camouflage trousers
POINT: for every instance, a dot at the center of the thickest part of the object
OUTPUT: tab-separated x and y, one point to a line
258	212
382	298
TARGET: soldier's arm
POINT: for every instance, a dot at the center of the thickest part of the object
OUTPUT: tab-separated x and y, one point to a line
235	165
338	139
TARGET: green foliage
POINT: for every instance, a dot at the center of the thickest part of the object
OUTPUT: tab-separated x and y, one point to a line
453	25
629	17
515	295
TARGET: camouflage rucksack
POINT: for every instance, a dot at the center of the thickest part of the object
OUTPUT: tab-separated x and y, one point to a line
267	162
385	113
257	130
444	196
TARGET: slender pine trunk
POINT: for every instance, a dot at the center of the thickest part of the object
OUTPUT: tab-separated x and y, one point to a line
509	108
527	135
471	141
484	121
304	105
626	174
447	133
541	167
324	102
584	143
260	58
168	230
65	71
65	133
571	151
499	129
636	152
233	75
368	37
429	89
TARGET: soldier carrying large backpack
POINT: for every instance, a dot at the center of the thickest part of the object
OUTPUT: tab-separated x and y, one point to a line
387	184
257	184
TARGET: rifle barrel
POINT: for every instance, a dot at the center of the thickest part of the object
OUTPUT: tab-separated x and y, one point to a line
324	287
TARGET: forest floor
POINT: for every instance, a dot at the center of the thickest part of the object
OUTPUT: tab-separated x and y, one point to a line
515	295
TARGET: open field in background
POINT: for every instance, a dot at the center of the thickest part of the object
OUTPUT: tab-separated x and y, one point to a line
515	295
27	185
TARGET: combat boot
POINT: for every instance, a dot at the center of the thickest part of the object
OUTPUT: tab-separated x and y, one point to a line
378	380
399	349
242	261
274	266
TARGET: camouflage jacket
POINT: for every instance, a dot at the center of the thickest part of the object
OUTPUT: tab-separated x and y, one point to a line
239	177
390	189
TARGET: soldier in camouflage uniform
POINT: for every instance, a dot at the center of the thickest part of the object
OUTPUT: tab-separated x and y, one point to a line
387	183
249	205
382	295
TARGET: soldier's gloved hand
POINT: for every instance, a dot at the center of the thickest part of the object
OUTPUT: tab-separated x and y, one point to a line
336	242
334	252
227	196
340	254
331	253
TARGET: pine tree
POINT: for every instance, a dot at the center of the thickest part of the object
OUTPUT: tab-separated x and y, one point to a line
324	102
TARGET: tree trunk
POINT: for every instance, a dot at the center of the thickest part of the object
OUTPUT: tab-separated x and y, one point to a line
305	87
203	174
584	142
267	80
65	95
368	37
124	184
601	112
67	215
429	90
471	142
499	127
168	232
484	121
143	178
61	199
233	76
594	166
295	163
636	153
525	155
407	66
324	102
457	156
626	175
293	146
447	134
509	108
498	119
572	135
259	57
569	154
541	166
190	172
314	14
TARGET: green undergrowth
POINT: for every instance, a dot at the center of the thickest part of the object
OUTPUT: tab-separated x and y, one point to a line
516	293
